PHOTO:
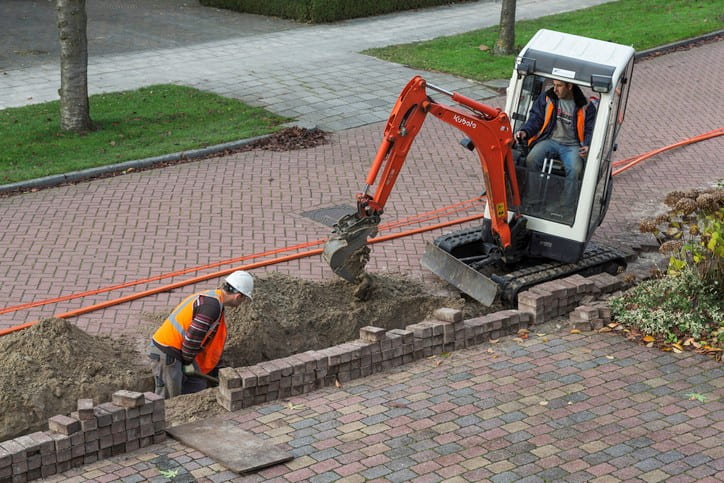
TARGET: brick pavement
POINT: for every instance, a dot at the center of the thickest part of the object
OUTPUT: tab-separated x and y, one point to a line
556	407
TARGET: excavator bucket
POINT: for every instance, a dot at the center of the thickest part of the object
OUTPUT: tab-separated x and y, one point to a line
346	251
458	274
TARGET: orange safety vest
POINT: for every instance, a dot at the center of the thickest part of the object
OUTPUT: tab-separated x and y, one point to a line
580	121
172	331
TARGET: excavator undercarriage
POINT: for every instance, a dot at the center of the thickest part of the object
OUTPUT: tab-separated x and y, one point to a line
463	259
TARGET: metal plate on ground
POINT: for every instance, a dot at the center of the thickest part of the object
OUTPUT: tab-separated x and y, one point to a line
329	216
238	450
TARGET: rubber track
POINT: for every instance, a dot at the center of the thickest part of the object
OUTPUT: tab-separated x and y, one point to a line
595	259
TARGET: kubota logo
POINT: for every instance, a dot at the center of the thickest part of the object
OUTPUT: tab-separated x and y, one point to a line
463	121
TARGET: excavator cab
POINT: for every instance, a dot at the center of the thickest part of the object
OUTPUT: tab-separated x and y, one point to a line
538	223
562	212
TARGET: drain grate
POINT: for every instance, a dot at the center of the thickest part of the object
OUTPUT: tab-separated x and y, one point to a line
329	216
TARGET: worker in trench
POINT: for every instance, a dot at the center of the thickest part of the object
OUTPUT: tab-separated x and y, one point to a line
188	346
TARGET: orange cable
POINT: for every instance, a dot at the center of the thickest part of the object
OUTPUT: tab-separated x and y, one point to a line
406	221
633	161
221	273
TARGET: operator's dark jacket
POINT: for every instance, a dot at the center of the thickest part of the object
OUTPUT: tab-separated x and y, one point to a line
543	116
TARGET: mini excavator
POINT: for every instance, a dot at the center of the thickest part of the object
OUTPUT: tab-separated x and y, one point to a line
530	232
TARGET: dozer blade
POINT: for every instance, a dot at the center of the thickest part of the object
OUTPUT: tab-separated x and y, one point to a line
458	274
346	251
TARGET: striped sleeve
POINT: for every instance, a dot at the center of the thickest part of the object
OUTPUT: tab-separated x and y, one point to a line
207	311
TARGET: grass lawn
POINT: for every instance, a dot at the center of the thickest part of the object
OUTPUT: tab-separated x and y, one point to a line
137	124
642	24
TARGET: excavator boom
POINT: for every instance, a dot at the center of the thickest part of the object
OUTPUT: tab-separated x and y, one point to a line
488	132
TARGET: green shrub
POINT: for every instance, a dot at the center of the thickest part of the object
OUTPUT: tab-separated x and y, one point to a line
692	234
673	308
320	11
686	306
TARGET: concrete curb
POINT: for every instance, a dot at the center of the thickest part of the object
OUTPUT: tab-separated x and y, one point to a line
677	44
75	176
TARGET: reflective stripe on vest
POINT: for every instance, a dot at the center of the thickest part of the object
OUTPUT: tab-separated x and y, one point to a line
172	331
546	120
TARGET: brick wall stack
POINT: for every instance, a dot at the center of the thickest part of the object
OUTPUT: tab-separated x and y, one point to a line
130	421
375	351
556	298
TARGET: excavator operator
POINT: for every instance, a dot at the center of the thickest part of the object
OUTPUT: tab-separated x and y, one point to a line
560	126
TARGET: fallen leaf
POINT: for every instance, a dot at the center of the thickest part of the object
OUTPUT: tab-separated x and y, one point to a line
494	341
337	383
483	47
293	406
650	344
518	339
605	329
613	325
438	362
170	474
543	403
648	338
490	351
677	350
677	346
609	357
695	396
540	334
575	331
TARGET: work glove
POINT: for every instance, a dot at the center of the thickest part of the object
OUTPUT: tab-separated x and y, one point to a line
190	369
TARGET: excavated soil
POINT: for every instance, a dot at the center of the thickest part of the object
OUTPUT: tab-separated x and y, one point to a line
49	366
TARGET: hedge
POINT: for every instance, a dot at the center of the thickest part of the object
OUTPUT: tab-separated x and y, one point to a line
321	11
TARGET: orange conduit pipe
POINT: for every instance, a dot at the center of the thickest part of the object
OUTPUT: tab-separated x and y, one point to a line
221	273
631	162
426	216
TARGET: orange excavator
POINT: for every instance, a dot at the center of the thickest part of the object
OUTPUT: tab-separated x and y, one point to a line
530	232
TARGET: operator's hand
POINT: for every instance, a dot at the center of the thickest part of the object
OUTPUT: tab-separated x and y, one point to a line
583	151
520	135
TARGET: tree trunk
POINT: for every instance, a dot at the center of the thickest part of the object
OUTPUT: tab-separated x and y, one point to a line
72	21
505	45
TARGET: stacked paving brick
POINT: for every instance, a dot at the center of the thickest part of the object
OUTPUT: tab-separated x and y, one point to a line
557	298
130	421
375	351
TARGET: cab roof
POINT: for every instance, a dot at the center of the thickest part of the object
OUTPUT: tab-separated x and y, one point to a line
592	62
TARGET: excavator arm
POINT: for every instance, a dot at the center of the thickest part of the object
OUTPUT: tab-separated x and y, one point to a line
489	133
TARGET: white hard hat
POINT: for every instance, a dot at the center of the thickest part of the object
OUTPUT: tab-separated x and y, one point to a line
242	282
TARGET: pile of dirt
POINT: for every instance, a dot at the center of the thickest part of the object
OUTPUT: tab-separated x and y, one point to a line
49	366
